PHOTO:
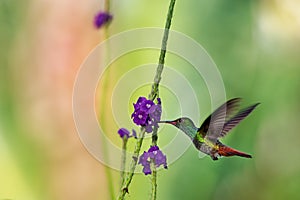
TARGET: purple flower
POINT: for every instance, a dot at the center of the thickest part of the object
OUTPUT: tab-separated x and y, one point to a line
156	156
101	19
139	103
124	132
139	117
146	113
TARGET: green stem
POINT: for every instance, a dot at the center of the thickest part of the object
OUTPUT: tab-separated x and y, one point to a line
107	5
153	167
102	106
155	89
161	61
108	173
126	183
154	93
154	136
153	180
103	124
123	162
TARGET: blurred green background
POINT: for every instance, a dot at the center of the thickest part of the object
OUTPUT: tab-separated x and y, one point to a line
255	44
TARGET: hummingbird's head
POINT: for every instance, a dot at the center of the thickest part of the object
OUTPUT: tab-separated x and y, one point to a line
185	124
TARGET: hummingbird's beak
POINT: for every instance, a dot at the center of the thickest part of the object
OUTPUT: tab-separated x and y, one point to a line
164	122
168	122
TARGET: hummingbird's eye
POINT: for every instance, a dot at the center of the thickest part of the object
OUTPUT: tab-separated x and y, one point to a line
179	120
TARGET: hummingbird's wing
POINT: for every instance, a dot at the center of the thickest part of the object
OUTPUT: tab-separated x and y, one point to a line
214	124
236	119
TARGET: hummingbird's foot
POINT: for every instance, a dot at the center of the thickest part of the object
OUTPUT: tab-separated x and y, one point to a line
215	156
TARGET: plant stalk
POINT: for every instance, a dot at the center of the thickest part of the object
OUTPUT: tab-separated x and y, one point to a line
153	94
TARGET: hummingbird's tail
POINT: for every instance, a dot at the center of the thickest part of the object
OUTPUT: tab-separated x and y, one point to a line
228	151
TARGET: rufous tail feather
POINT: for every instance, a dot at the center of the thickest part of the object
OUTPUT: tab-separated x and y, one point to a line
227	151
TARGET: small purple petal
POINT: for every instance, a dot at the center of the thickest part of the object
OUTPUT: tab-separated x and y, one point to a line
153	148
158	101
148	129
147	169
149	125
160	159
144	160
155	113
139	103
141	100
101	19
134	133
122	132
152	109
146	105
139	117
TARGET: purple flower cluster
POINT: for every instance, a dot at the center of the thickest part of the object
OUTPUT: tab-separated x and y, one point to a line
101	19
146	113
124	132
156	156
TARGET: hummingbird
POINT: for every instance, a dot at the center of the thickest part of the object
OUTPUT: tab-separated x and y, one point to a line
215	126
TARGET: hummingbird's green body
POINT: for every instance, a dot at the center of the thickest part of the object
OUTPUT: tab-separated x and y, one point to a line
217	125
